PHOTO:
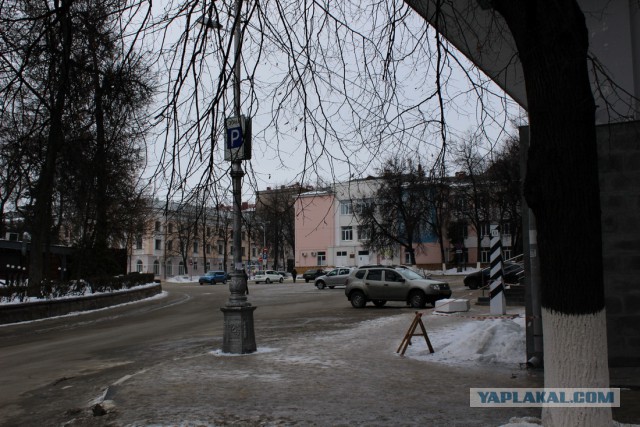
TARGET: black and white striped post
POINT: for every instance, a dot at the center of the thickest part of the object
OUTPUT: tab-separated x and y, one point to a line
497	302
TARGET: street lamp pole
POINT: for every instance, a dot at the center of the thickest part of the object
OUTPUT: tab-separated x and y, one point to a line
239	336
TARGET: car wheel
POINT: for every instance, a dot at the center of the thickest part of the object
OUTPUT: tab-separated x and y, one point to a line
224	282
306	280
201	283
320	284
358	299
281	280
473	284
379	302
417	299
267	281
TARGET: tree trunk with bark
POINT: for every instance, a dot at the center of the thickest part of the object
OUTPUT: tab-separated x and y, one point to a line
562	189
44	189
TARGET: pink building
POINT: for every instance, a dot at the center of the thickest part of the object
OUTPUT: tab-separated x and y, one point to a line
314	228
327	234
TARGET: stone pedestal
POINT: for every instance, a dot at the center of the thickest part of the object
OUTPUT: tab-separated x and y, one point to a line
239	336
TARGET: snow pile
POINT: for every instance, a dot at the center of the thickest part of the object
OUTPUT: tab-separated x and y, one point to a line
181	279
477	341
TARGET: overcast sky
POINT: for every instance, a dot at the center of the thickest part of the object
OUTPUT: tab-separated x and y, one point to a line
355	116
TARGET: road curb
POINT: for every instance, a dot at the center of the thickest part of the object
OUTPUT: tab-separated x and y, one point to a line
14	313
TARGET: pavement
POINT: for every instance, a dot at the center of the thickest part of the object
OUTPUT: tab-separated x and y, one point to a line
308	375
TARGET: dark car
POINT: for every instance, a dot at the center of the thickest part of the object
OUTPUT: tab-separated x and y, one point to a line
512	273
213	277
313	274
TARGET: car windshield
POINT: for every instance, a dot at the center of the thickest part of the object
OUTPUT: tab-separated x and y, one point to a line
410	274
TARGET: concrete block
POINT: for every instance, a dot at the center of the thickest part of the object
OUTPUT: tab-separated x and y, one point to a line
452	305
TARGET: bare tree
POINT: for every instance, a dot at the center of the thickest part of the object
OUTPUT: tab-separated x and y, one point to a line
53	55
503	174
472	191
398	214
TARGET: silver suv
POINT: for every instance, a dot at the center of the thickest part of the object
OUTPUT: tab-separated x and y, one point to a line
336	277
380	284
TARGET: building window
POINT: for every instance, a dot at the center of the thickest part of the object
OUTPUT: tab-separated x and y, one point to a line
158	244
341	253
347	233
346	207
139	242
363	233
170	226
485	255
220	247
407	257
362	205
461	204
170	245
254	252
221	232
208	231
506	229
158	227
243	236
243	251
139	266
195	265
169	269
207	266
485	229
322	258
506	252
208	248
181	268
195	247
156	267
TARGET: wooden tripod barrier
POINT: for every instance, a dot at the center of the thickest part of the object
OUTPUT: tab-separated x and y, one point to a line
406	341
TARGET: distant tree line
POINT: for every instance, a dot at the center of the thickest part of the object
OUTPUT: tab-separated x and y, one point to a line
414	202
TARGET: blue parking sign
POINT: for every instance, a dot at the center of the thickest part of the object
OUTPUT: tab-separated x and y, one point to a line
234	137
237	138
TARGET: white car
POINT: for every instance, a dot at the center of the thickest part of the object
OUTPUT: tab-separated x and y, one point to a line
268	276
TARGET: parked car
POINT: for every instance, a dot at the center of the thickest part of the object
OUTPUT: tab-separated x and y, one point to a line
268	276
382	284
512	272
213	277
313	274
336	277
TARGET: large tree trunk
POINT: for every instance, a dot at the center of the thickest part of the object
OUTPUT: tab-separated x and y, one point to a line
562	189
46	179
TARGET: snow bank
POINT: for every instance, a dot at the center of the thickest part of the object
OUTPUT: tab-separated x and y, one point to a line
477	341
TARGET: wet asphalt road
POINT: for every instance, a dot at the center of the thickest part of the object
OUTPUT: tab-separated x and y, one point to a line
319	362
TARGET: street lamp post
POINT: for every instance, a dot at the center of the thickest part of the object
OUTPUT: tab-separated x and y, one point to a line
239	335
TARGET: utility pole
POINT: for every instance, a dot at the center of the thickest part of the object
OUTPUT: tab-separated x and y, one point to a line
239	336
